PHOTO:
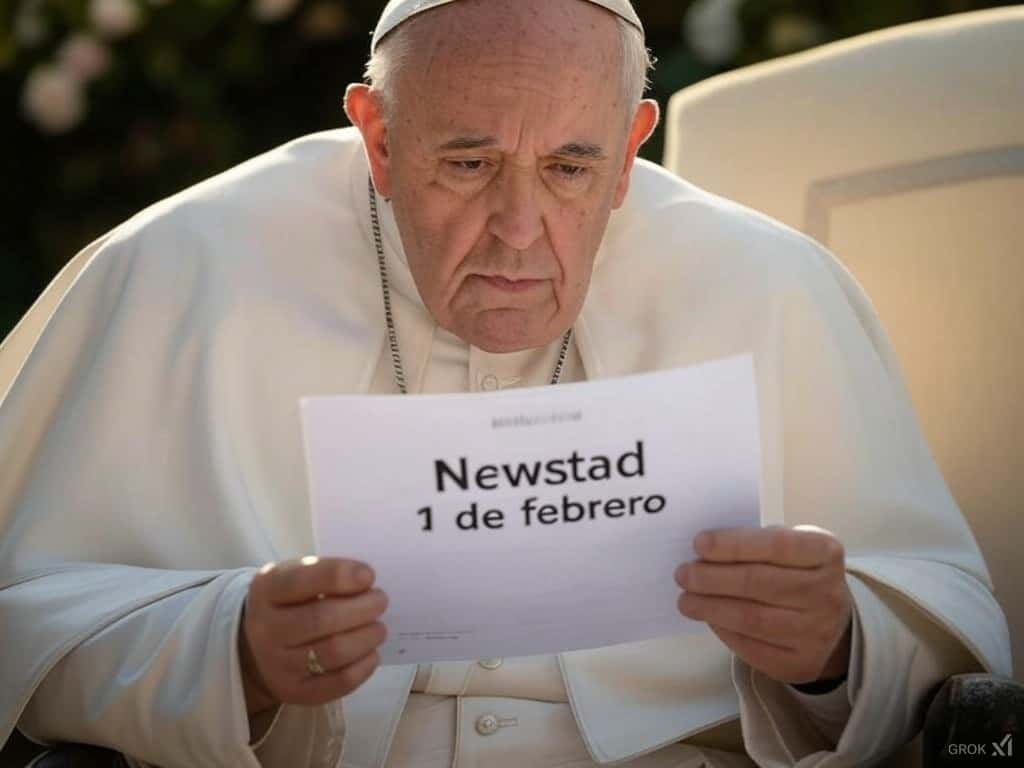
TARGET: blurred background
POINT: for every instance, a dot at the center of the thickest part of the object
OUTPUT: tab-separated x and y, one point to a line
110	105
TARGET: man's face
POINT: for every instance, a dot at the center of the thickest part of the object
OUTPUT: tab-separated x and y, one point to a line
504	158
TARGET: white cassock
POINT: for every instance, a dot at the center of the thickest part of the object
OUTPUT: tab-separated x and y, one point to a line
151	456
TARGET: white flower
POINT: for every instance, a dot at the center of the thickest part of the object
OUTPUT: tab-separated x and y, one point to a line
84	57
53	99
712	29
115	18
272	10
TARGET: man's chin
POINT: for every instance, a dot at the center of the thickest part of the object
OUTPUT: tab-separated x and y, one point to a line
506	330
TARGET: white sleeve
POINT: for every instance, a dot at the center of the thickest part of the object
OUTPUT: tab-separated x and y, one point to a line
828	712
898	657
163	686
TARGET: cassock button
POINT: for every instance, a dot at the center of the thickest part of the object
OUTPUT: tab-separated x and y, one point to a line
490	663
487	725
490	383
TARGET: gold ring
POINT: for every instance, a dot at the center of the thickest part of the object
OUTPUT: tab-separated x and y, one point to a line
313	665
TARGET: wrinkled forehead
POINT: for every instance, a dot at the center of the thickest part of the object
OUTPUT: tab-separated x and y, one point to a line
537	62
399	11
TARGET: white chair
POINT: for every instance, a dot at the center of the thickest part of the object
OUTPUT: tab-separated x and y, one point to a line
902	151
14	349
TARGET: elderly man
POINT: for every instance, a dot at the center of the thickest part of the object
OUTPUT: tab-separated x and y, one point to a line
461	237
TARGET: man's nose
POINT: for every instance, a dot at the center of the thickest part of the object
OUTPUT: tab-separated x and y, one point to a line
516	217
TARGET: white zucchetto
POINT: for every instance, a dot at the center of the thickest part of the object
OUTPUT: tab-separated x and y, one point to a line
399	11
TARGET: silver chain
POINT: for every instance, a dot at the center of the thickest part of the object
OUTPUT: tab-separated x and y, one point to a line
389	316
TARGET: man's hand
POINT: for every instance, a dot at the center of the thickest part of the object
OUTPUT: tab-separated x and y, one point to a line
777	597
324	604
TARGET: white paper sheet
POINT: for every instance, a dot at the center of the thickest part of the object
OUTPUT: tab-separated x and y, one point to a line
530	572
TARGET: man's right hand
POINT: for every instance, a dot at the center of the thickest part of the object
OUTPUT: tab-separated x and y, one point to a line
326	604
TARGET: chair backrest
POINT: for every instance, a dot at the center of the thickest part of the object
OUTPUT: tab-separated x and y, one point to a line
903	152
19	342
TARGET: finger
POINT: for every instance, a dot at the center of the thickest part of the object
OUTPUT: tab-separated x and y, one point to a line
779	626
776	545
782	664
339	651
770	584
300	580
301	625
319	689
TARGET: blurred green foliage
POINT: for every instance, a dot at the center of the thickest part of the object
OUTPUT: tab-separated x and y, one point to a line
191	87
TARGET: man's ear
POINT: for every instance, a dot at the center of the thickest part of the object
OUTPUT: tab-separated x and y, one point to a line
644	122
364	108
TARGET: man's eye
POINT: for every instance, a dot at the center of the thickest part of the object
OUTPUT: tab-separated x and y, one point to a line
467	166
571	172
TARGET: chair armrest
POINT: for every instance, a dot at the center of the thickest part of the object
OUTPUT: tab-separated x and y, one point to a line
973	715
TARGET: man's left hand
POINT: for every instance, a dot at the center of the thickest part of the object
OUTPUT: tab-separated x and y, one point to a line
777	597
